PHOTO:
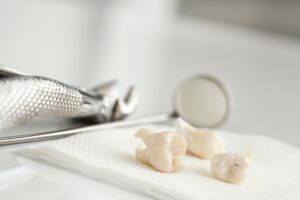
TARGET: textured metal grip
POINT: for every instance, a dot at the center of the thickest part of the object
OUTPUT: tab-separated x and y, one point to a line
26	98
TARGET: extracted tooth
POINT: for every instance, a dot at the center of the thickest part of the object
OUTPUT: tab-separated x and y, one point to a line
163	151
200	142
231	167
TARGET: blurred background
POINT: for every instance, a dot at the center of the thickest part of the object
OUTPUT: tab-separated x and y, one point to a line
253	45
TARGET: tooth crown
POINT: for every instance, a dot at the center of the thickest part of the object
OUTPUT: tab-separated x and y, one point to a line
163	151
230	167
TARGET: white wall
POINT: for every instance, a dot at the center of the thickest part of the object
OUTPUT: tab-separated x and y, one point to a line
262	69
47	37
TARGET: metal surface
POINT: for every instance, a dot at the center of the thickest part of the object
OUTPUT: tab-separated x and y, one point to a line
60	134
5	72
221	85
27	98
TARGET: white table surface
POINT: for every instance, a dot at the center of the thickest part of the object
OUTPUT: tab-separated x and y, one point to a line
22	178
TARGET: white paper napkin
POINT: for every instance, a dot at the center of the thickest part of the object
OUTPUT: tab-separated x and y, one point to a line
109	155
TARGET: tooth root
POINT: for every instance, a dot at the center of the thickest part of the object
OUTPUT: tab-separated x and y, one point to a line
144	133
183	127
202	143
249	155
141	154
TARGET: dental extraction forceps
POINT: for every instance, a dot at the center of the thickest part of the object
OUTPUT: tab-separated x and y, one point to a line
25	98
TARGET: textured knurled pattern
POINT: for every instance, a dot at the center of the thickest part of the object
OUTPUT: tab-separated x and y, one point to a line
24	99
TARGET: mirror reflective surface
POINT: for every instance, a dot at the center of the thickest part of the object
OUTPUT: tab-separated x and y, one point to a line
203	101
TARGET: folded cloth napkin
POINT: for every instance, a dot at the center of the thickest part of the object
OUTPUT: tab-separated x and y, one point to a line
109	155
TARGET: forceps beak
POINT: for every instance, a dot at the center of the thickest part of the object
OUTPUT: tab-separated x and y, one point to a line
126	106
102	103
6	72
123	106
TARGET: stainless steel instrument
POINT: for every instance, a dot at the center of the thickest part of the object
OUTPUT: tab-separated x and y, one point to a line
25	98
202	100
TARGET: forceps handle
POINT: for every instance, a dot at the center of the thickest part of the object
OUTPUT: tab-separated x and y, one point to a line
60	134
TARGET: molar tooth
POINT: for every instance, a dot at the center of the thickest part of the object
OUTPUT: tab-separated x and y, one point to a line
202	143
230	167
163	151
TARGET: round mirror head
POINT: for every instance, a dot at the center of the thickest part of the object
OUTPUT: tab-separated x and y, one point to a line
203	101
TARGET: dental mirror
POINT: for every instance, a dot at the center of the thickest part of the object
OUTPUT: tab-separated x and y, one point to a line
203	101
